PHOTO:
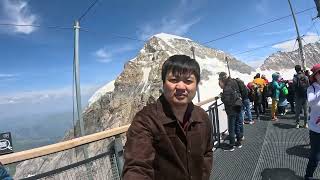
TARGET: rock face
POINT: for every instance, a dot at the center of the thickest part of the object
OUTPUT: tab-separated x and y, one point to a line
287	60
139	83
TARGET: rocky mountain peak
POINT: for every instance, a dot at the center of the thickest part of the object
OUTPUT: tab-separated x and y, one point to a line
287	60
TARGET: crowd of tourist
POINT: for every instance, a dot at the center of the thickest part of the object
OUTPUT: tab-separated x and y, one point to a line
302	92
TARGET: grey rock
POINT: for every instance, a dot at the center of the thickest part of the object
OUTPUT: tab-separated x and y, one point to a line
287	60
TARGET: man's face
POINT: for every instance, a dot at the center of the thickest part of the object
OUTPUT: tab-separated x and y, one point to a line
179	91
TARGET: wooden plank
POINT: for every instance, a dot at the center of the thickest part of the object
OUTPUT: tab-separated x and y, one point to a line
61	146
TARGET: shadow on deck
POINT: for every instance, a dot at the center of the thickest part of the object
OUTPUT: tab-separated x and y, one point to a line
271	151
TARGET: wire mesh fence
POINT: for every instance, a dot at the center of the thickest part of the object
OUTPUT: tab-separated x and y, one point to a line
101	167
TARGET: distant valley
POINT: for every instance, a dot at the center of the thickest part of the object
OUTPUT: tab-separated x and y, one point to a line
36	130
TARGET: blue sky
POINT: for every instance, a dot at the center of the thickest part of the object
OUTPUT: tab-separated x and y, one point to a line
36	63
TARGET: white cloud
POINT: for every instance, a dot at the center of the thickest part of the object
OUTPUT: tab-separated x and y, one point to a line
291	45
177	22
102	55
18	12
7	75
172	26
106	53
42	101
44	96
262	7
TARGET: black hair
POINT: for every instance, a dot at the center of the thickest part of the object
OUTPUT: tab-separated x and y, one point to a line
297	68
223	76
180	66
257	76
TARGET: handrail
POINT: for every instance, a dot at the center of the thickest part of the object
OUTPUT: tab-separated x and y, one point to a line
61	146
205	101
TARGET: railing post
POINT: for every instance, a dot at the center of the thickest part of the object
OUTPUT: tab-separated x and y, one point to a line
217	120
118	149
212	119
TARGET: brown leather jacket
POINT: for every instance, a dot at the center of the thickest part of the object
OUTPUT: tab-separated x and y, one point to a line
158	148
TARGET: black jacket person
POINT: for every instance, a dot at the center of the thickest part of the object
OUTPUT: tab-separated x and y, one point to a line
231	98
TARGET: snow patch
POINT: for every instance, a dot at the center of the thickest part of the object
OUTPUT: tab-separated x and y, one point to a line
146	72
102	91
168	37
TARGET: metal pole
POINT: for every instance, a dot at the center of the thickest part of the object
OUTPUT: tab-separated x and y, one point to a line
228	66
298	38
216	112
78	93
213	121
77	76
194	57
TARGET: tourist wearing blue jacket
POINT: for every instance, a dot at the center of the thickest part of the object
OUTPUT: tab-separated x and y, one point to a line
275	94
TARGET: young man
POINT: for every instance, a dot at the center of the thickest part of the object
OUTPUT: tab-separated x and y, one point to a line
300	85
172	138
232	100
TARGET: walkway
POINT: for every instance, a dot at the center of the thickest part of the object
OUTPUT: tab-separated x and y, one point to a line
271	151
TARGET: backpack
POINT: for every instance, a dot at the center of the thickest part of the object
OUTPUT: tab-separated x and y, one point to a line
231	96
283	92
242	88
302	84
257	95
268	90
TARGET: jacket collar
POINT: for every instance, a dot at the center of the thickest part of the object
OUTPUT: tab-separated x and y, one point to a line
167	115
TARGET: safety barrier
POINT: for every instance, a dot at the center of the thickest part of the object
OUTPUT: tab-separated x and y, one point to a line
107	165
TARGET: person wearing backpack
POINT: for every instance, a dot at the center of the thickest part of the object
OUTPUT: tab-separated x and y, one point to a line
257	101
275	94
290	96
313	94
282	104
260	83
246	105
232	100
300	84
264	96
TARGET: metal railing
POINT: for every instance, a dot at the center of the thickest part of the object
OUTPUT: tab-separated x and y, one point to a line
106	165
213	113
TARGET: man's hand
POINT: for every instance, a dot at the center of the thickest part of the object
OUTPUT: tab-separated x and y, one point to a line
218	97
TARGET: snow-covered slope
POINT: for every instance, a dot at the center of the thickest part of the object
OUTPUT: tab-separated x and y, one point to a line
100	92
